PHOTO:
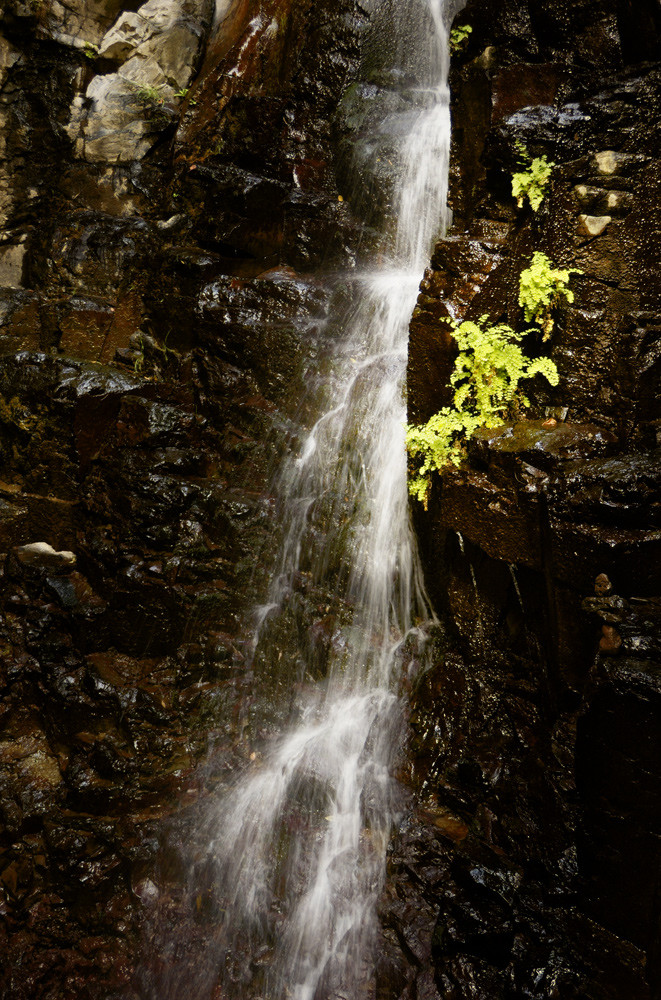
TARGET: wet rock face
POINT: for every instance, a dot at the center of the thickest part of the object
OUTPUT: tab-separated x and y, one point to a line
489	853
165	187
118	642
535	739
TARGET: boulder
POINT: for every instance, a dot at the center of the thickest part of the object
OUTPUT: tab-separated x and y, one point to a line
157	50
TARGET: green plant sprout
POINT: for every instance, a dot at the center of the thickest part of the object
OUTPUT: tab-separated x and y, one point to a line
541	287
150	95
183	93
90	50
139	360
435	445
459	37
532	181
486	378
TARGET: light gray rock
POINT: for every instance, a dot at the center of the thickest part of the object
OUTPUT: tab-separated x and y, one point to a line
136	29
597	201
619	202
145	73
222	7
43	554
156	50
593	225
132	31
166	32
587	195
609	162
81	22
115	129
11	266
165	225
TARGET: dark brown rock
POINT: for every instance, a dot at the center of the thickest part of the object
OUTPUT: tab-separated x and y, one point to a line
610	641
602	585
539	728
153	338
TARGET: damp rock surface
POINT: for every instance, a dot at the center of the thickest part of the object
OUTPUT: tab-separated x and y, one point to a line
166	183
538	729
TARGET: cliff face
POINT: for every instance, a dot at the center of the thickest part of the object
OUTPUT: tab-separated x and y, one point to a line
537	738
165	183
168	179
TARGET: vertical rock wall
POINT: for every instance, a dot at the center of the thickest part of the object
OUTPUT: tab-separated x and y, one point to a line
165	187
536	739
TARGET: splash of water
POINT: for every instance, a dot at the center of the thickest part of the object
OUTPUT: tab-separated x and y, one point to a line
299	845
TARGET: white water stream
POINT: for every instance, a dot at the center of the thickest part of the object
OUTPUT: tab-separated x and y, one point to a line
304	880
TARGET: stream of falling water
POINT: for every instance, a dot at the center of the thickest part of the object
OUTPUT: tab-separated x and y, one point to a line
299	845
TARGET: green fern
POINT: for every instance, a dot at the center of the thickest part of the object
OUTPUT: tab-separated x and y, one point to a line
150	95
541	287
486	378
438	443
459	37
532	182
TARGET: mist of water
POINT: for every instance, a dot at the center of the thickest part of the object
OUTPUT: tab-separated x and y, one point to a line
299	845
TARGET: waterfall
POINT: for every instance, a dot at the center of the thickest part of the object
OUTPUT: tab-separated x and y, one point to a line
298	847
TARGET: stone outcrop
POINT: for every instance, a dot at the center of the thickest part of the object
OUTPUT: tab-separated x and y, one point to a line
157	50
535	738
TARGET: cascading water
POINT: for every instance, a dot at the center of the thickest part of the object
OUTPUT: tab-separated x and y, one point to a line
298	847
